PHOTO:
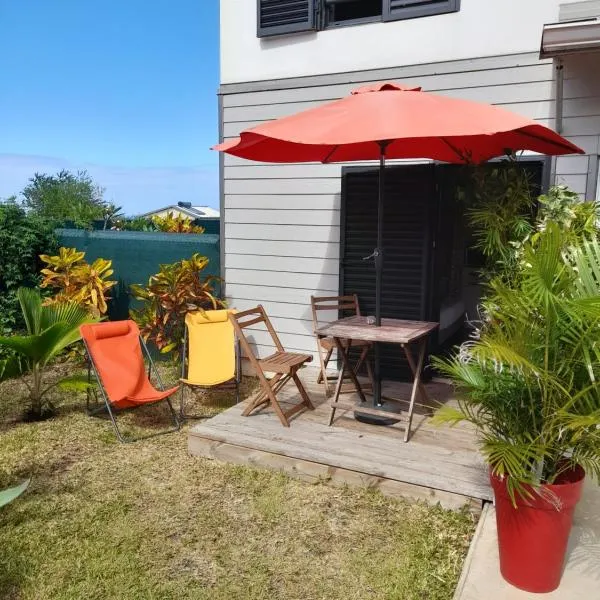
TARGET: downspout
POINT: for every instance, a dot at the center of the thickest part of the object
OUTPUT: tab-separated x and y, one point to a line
559	100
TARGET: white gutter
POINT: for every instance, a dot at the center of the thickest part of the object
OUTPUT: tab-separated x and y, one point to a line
571	37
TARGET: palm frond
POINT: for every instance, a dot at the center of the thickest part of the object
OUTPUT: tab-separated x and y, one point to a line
31	306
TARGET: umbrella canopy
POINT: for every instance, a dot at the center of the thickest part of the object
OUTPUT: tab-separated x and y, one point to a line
390	120
416	124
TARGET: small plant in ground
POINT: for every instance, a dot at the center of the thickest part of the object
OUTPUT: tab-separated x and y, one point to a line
175	290
176	224
75	280
50	329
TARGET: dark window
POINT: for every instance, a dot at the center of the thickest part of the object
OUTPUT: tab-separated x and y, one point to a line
394	10
277	17
341	11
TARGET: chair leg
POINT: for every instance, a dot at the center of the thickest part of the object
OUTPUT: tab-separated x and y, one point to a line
182	403
263	396
322	378
338	385
305	396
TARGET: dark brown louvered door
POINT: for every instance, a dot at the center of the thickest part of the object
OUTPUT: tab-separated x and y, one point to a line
410	199
277	17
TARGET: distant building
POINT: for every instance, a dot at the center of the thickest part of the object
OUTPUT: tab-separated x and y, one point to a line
204	216
185	209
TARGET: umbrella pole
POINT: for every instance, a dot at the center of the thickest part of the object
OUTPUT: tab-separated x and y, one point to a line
379	271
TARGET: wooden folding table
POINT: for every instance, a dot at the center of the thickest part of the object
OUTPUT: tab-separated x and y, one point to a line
392	331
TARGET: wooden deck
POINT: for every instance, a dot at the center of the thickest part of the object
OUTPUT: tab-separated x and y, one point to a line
438	464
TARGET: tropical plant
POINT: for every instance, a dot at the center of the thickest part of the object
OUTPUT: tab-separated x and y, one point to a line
499	212
10	494
50	329
531	383
136	224
22	238
575	218
176	224
176	289
75	280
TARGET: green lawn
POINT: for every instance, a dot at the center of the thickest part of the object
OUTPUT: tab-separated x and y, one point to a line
144	520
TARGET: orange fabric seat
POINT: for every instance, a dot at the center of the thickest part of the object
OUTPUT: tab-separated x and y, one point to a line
114	347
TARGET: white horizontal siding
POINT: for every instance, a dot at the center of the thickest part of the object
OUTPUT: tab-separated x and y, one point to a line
282	217
306	281
298	233
283	201
324	250
314	185
283	263
282	221
501	71
258	292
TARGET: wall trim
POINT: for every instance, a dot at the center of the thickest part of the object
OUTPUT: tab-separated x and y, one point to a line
406	71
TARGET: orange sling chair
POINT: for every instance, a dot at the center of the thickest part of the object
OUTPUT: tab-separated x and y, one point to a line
114	350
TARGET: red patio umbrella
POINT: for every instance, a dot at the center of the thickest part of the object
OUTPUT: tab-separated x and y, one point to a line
389	120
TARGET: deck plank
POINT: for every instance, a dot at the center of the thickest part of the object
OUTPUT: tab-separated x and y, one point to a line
436	459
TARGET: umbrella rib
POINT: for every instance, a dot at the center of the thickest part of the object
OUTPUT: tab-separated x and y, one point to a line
334	149
455	150
543	139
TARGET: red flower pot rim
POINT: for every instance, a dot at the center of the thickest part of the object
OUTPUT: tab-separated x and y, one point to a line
547	496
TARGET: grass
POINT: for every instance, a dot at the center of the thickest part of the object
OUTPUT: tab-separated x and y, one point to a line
146	521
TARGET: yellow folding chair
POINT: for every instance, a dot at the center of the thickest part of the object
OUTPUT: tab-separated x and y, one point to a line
211	355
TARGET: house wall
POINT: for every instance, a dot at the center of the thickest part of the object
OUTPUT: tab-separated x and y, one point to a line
480	28
282	222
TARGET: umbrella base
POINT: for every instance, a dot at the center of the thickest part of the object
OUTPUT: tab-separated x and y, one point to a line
392	408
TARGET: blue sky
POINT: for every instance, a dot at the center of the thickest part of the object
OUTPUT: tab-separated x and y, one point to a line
125	89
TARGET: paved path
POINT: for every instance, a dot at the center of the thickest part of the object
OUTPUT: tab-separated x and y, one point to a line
481	577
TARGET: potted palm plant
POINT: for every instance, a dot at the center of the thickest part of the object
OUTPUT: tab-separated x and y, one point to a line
530	384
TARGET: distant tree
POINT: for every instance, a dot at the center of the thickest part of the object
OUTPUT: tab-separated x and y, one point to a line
66	197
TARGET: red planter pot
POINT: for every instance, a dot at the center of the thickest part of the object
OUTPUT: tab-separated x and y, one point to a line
533	537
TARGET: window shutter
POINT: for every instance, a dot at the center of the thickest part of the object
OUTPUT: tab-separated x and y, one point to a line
276	17
394	10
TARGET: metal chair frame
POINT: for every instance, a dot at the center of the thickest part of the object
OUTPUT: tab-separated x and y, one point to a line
112	411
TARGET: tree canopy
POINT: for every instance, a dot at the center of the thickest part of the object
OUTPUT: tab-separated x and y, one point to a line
67	197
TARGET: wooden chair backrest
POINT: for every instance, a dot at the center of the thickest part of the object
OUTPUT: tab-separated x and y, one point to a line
341	304
253	316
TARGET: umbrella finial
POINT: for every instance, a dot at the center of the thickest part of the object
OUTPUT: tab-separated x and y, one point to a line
385	87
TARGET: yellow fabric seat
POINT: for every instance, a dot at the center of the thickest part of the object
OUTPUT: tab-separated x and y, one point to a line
210	350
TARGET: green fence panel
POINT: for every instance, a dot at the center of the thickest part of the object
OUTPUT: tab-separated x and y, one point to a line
137	254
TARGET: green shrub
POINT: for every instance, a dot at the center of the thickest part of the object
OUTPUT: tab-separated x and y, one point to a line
22	239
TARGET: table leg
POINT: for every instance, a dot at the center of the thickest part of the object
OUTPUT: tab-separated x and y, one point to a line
411	363
346	367
416	383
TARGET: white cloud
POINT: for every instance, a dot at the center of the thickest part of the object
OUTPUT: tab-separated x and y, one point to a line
136	189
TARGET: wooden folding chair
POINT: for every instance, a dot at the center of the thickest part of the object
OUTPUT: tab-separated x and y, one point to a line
346	306
284	365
